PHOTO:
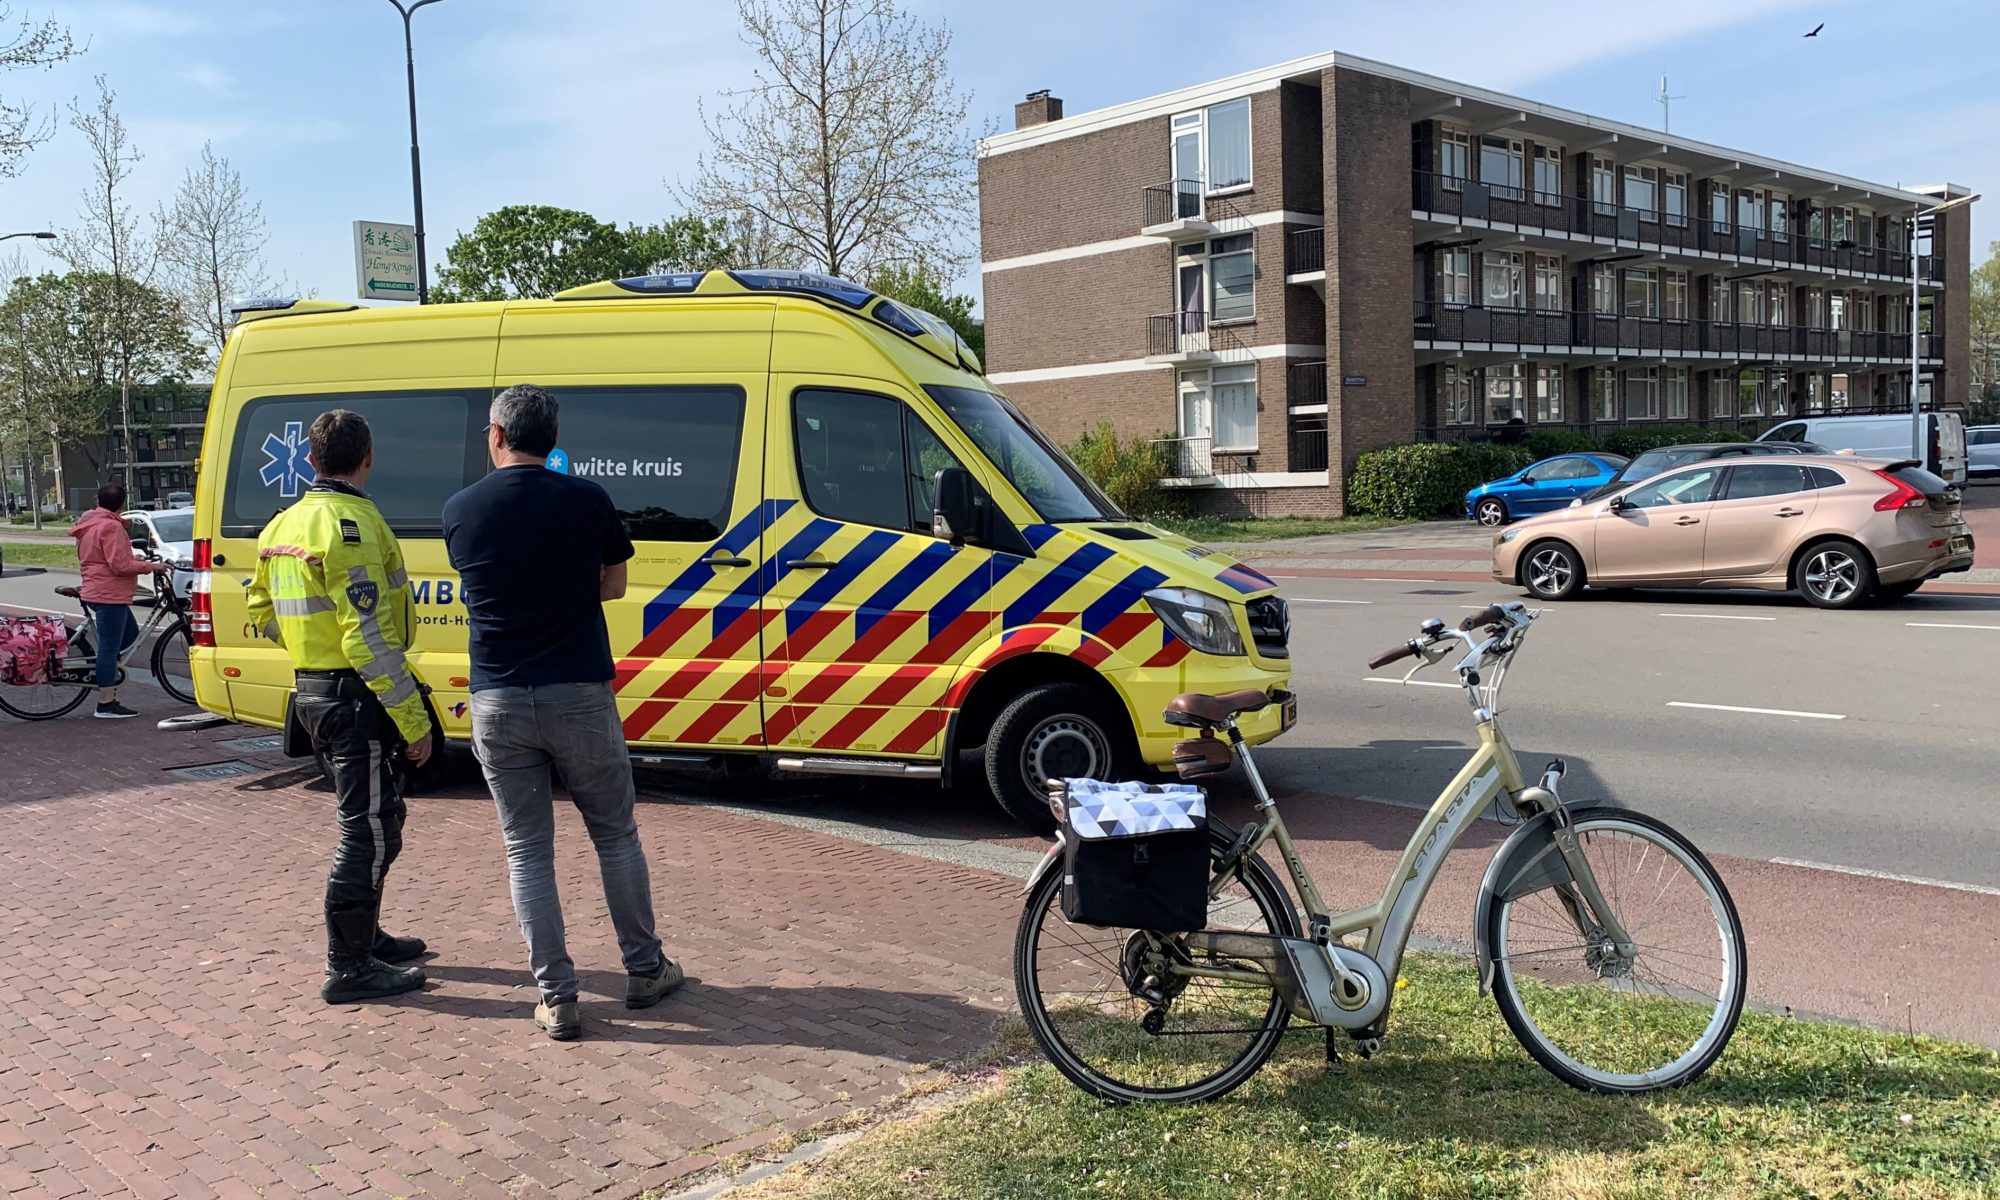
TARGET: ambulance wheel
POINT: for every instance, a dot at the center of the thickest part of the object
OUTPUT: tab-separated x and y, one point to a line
1052	731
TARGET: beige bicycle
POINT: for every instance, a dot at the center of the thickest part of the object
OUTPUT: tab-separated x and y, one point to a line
1608	941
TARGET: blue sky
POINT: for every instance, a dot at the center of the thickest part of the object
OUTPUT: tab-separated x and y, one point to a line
592	103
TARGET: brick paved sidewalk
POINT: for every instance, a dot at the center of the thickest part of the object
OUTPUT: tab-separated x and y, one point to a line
163	1036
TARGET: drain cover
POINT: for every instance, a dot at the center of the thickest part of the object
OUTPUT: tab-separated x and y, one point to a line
251	745
218	770
1436	592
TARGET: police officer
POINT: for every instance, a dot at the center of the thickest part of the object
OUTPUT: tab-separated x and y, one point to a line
330	587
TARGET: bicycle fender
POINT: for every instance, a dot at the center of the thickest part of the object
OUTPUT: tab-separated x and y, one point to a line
1528	861
1050	861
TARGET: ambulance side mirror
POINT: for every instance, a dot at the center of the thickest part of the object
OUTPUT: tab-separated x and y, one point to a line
954	506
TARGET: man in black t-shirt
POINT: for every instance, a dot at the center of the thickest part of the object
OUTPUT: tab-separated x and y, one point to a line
538	553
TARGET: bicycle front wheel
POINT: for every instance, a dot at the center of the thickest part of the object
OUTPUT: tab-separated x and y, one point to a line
1076	985
170	662
1603	1023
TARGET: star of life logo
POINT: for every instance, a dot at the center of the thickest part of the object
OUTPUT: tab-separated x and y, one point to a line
285	464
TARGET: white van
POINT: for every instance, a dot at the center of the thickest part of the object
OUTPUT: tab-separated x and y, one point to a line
1942	436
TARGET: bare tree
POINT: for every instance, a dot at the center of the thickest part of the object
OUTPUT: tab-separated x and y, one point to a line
212	244
110	240
34	44
852	146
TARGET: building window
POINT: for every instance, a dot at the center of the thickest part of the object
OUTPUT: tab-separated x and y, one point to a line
1721	395
1455	266
1836	311
1642	292
1749	209
1220	405
1864	228
1548	174
1718	298
1750	394
1815	308
1750	303
1675	288
1604	290
1604	394
1503	279
1780	218
1718	206
1232	279
1454	155
1503	393
1676	198
1549	284
1780	311
1642	394
1641	188
1843	226
1864	312
1213	145
1815	393
1780	387
1455	396
1548	394
1500	166
1603	186
1674	383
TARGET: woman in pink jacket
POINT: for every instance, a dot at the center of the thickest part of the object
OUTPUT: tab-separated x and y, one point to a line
110	577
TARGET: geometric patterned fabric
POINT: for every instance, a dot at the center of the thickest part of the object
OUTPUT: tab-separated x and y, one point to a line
1108	810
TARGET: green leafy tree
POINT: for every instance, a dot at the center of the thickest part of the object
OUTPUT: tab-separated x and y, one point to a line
1985	314
919	286
538	250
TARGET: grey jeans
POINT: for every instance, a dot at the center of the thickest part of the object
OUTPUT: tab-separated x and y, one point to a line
520	735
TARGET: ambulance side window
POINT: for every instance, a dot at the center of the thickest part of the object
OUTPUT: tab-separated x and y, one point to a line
666	454
866	459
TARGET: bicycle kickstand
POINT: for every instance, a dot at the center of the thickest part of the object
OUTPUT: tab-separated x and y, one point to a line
1332	1046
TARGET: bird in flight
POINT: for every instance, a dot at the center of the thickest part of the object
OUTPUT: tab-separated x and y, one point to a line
1816	29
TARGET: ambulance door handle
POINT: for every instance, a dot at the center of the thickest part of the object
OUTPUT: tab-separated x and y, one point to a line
809	564
719	559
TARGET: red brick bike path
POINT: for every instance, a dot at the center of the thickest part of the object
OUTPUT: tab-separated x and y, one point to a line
161	1034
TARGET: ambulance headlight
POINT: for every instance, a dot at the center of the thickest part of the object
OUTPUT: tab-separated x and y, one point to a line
1203	621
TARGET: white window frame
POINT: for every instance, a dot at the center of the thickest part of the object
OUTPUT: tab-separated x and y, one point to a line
1512	268
1233	375
1780	220
1721	298
1509	383
1864	228
1719	190
1603	185
1200	384
1754	197
1749	303
1455	395
1647	178
1550	157
1778	305
1455	273
1721	395
1450	137
1548	395
1209	260
1674	386
1674	183
1674	294
1604	394
1549	284
1513	152
1642	394
1196	120
1649	280
1815	392
1778	386
1750	403
1605	299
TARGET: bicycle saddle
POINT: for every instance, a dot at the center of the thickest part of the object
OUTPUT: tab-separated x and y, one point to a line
69	591
1199	709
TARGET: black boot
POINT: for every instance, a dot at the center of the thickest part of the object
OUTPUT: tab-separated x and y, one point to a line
352	972
391	949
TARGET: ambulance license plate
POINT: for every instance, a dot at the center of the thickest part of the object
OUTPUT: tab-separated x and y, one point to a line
1291	713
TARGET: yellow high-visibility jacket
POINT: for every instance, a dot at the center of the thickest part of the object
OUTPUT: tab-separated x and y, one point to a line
331	589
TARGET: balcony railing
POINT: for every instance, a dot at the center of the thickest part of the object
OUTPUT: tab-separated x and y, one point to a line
1174	200
1305	251
1189	457
1188	333
1305	387
1551	213
1546	328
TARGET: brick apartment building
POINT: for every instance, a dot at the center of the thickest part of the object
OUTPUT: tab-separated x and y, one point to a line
1285	268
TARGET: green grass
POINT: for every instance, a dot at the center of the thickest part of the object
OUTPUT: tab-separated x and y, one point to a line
1265	529
28	523
1454	1108
39	554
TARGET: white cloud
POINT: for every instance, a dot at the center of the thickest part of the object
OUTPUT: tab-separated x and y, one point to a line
208	77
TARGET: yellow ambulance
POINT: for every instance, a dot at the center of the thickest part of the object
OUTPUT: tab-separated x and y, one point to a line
854	556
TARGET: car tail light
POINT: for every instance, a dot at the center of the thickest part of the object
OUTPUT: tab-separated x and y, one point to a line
1904	496
201	612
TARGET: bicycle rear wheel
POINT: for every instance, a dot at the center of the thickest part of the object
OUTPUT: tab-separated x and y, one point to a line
170	662
1076	991
1604	1024
42	701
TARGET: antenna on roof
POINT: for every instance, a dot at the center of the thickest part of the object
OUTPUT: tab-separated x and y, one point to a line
1666	103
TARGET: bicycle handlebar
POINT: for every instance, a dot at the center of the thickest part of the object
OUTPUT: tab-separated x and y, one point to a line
1406	650
1490	615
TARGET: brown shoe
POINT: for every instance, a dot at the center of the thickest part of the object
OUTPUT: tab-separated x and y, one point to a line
642	991
560	1021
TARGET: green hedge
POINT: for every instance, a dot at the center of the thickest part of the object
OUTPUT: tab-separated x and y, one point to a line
1547	443
1633	442
1130	471
1425	479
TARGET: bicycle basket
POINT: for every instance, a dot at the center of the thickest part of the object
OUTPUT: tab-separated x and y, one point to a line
1135	855
31	648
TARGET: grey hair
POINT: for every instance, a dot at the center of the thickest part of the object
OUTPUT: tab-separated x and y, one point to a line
526	416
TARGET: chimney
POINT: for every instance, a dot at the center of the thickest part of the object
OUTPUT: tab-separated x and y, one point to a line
1038	109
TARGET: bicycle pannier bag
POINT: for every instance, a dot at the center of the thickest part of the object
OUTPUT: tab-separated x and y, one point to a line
31	647
1135	855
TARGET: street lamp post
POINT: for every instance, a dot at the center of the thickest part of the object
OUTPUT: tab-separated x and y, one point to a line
409	10
29	477
1916	306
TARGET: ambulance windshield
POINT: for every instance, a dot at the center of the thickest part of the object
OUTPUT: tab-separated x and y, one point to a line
1041	473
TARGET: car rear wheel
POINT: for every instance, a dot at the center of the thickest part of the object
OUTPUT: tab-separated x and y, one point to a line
1490	512
1835	574
1551	571
1053	731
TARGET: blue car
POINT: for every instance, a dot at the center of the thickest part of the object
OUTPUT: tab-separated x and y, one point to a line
1548	485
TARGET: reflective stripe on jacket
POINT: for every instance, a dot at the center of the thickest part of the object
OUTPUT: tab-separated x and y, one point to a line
330	587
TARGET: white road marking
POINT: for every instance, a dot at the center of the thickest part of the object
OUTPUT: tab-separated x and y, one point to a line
1868	874
31	608
1713	617
1317	600
1945	625
1406	682
1386	579
1768	712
